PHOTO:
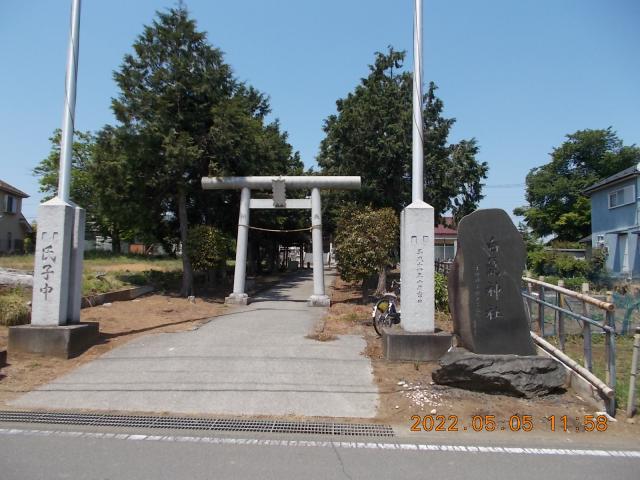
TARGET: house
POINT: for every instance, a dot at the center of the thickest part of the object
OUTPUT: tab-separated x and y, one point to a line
445	240
615	221
13	226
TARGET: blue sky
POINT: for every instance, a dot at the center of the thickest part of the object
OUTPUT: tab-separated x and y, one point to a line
517	75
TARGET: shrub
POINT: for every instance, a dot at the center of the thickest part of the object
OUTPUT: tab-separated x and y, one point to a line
440	292
366	242
13	309
208	248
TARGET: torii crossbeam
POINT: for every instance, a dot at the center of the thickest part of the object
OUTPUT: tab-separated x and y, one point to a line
278	185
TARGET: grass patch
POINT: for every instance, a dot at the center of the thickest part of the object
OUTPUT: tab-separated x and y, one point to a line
624	351
13	307
17	262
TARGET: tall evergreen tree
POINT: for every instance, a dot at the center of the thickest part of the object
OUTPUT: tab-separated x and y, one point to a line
370	136
187	115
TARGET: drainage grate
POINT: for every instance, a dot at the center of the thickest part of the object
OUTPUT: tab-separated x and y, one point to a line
190	423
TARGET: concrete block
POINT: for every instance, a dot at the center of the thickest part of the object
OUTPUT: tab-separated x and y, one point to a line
417	268
52	262
64	341
237	299
319	301
398	344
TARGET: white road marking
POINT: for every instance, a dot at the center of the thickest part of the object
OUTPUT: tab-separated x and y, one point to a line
327	444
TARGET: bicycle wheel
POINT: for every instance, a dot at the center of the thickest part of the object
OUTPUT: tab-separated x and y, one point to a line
383	313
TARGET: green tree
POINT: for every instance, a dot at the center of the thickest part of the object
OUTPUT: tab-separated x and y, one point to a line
556	204
370	136
186	115
81	157
366	243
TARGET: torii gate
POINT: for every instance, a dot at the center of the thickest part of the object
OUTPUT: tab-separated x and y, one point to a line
278	186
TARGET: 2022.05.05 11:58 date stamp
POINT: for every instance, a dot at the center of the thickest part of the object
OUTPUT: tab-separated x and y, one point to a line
514	423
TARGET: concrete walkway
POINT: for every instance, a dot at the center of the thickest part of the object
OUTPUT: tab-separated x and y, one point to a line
254	360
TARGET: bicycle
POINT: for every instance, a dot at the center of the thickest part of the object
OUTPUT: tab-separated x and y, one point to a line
386	311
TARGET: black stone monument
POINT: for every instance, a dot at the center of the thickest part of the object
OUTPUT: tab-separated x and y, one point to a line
484	286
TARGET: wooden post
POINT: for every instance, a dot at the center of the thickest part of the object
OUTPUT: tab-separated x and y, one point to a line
560	316
586	331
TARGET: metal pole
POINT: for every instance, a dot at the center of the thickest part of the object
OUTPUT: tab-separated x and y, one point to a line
586	332
316	237
241	245
68	116
417	175
611	358
631	403
560	316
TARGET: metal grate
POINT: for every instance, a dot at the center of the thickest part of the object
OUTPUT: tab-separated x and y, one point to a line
190	423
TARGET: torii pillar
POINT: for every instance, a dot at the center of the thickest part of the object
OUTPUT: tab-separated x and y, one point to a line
278	185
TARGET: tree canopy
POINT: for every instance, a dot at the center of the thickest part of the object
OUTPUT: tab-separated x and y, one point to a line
556	203
182	115
370	136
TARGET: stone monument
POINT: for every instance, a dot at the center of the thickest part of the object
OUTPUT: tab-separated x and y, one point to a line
496	354
485	286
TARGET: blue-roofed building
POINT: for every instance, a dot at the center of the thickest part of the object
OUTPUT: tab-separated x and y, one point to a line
615	221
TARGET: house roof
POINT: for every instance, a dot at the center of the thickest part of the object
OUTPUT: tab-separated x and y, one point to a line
11	189
446	228
623	175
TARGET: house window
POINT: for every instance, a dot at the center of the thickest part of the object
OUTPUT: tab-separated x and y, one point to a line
444	253
10	204
622	196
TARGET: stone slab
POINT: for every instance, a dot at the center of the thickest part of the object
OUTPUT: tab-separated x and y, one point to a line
253	360
76	260
398	344
516	375
65	341
417	268
485	286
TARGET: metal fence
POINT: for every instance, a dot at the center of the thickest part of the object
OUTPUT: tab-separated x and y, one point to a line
559	311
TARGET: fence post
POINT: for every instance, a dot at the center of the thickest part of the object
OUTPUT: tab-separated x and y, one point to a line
529	303
541	306
607	343
586	332
632	407
611	357
560	316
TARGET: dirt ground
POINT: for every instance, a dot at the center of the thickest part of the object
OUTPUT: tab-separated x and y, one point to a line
406	388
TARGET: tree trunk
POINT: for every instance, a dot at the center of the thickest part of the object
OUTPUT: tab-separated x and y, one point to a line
382	281
187	271
115	241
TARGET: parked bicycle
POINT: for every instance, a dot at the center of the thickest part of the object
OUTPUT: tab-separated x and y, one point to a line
386	310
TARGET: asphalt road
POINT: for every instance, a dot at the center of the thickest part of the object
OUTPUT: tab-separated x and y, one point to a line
55	452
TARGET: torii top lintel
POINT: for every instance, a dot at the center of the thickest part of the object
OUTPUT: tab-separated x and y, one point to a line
292	183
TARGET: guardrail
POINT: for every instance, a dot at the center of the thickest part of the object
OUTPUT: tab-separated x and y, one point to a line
537	293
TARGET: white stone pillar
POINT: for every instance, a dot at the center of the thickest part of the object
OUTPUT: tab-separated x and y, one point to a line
417	268
319	298
52	262
239	296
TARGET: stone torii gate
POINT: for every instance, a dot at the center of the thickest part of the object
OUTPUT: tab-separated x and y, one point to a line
278	185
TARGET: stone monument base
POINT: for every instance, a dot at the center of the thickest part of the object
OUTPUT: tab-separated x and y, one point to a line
319	301
62	341
398	344
516	375
237	299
